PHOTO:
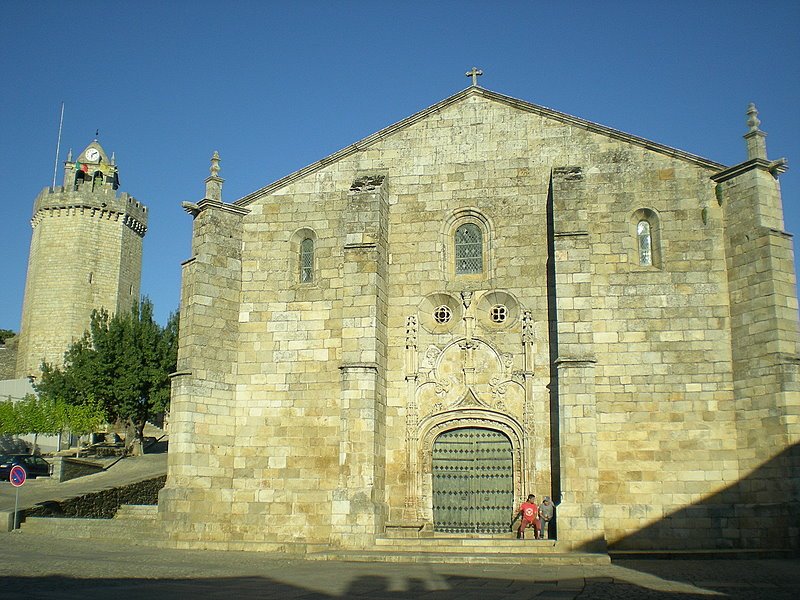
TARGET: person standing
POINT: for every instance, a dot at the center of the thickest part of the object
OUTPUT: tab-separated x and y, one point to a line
529	511
546	513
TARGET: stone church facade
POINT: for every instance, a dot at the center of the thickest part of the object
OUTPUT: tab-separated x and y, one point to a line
489	299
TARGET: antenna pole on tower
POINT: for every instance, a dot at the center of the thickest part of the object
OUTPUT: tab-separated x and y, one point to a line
58	145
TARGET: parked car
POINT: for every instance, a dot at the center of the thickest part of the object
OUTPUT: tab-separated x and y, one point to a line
35	466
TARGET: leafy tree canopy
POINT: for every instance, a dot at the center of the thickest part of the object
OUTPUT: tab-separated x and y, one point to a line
122	364
5	334
48	416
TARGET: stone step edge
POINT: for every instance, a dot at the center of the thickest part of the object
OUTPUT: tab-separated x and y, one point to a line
466	542
564	558
470	551
132	512
138	508
67	521
61	526
158	538
484	549
107	529
114	528
699	554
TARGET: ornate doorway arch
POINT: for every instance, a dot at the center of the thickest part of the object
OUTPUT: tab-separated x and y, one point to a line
485	432
472	481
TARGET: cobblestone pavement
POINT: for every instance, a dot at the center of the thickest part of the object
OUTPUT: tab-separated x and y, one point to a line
34	567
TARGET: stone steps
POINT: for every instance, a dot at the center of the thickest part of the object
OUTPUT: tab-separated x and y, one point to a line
106	529
137	512
136	524
139	525
572	558
468	545
470	550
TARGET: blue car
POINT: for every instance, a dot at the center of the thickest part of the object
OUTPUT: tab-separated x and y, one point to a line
35	466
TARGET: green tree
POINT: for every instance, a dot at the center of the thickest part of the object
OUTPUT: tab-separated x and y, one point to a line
9	418
48	416
5	334
28	415
123	364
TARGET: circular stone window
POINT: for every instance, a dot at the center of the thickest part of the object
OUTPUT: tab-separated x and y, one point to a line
498	313
497	310
442	314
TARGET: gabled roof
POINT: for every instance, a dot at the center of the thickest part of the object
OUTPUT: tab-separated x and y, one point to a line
366	142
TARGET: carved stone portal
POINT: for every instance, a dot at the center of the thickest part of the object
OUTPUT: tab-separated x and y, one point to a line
467	384
463	419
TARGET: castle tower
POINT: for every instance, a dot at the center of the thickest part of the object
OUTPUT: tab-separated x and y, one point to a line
86	253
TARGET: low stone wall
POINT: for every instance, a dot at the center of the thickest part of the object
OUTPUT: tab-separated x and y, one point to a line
101	505
65	469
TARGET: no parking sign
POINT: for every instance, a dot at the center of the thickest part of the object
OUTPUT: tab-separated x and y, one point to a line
17	476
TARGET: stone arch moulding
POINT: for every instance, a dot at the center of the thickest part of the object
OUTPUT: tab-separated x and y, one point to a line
460	217
433	426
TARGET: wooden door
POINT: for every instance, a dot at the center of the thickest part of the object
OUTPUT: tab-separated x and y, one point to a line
473	482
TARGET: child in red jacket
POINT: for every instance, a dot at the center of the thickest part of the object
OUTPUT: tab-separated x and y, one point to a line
529	511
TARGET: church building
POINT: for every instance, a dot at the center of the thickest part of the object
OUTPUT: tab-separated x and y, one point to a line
488	299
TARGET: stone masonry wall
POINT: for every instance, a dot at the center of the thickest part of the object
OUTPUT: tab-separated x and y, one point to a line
101	505
8	358
664	389
202	463
652	386
765	354
86	252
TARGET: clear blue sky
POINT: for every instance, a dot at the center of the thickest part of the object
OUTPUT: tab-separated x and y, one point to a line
274	86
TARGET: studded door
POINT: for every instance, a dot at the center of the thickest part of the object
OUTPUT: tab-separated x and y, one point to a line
473	481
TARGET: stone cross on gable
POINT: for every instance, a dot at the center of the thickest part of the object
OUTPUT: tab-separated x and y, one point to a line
474	73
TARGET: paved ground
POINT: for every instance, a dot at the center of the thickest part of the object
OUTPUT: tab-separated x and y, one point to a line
34	567
125	471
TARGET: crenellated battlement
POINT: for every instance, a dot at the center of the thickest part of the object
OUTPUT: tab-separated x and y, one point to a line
102	203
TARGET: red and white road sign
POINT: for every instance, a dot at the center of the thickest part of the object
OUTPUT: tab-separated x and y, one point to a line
17	476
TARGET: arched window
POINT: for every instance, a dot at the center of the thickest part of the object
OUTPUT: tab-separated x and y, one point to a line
307	261
645	240
468	249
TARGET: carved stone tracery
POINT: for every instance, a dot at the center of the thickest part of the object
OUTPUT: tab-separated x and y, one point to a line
467	382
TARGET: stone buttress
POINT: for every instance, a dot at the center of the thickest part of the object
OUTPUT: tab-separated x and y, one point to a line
764	328
195	504
358	507
580	512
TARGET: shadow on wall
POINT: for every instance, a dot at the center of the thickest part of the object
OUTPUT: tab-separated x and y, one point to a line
759	512
13	445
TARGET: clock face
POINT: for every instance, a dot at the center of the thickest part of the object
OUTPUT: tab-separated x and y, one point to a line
92	154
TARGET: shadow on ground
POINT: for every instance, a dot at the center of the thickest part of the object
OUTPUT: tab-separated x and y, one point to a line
369	586
760	511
